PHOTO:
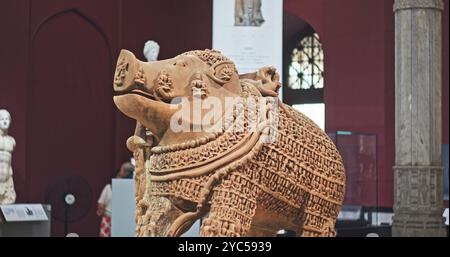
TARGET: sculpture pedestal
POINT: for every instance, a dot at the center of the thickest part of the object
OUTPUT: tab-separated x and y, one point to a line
123	208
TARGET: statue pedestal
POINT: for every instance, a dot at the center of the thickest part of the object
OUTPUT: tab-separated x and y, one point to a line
25	220
123	208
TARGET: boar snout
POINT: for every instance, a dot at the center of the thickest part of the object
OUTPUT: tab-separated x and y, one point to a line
126	77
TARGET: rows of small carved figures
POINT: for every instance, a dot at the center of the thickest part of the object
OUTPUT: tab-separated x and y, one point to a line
231	210
299	174
185	188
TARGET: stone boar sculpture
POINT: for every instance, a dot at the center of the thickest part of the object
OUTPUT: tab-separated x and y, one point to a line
282	172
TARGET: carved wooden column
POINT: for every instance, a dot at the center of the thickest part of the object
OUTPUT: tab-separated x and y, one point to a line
418	200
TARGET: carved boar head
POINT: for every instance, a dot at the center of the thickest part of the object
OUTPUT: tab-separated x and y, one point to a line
150	92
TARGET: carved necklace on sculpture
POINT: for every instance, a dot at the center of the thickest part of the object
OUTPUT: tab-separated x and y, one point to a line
207	156
186	145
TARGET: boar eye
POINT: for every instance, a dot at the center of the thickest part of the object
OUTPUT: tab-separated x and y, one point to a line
179	63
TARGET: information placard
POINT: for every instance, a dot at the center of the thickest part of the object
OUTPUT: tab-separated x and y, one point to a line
250	32
23	212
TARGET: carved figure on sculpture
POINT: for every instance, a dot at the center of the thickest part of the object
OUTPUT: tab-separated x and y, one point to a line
7	144
237	181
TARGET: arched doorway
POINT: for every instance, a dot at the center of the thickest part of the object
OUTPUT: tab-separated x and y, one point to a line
70	119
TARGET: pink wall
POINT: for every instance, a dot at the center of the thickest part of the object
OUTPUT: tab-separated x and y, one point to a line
358	41
357	36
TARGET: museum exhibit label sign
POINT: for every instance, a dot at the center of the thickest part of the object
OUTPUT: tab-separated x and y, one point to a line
249	32
23	212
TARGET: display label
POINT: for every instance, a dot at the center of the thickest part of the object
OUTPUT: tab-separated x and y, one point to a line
23	212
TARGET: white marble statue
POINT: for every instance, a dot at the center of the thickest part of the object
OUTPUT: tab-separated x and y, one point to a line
151	50
7	144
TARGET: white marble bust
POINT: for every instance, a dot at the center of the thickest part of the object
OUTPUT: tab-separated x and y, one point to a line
151	50
7	144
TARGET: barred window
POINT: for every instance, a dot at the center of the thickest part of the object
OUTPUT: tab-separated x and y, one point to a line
306	67
304	75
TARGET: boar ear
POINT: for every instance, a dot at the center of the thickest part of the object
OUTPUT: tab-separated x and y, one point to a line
270	79
222	72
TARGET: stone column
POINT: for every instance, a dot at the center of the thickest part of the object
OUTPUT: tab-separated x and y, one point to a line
418	200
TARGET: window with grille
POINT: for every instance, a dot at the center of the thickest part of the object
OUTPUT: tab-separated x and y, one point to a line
304	76
306	68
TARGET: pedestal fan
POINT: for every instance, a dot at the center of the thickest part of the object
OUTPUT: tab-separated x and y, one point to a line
70	198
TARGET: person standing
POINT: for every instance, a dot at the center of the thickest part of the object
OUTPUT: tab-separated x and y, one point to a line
105	200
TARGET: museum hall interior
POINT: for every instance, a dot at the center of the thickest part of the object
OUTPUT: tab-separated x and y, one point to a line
224	118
